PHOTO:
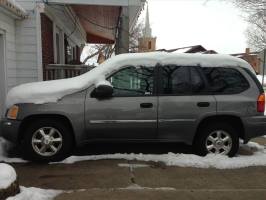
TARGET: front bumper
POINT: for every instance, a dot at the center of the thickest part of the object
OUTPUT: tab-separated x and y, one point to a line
254	127
9	129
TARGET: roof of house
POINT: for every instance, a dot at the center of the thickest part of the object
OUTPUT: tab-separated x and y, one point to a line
245	54
190	49
13	7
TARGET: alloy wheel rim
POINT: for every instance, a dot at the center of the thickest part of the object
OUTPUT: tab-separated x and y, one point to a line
47	141
219	142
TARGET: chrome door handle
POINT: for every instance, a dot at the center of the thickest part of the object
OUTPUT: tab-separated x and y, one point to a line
146	105
203	104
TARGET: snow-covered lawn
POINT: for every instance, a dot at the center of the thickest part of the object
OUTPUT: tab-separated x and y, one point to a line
7	175
258	158
35	194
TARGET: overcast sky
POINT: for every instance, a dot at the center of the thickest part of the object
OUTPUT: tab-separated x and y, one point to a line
216	24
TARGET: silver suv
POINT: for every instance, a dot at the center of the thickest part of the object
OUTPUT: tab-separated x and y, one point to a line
208	101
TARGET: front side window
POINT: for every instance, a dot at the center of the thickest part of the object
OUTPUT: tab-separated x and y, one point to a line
133	81
225	80
181	80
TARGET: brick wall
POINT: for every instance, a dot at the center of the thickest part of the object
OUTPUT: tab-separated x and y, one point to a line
47	40
253	60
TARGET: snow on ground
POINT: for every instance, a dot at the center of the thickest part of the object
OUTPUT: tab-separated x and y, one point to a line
190	160
7	175
52	91
258	158
35	194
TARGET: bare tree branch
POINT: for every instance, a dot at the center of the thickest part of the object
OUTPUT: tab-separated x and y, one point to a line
256	32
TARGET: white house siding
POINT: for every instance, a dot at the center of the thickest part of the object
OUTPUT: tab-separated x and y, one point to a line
29	35
29	66
7	27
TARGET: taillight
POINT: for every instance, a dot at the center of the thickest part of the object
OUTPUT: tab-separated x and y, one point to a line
261	103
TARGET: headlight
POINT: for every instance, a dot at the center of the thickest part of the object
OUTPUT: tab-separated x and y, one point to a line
12	113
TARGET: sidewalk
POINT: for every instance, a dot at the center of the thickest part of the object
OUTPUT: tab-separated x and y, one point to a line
121	179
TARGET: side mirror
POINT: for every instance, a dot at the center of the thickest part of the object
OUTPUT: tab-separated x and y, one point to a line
103	90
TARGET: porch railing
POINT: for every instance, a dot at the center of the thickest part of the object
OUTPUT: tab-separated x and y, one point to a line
60	71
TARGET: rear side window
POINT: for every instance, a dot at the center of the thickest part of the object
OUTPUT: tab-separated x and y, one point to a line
252	75
223	80
181	80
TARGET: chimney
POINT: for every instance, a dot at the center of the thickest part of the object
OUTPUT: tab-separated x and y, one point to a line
247	51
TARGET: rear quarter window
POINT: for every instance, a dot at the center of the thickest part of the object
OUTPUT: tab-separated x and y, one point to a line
223	80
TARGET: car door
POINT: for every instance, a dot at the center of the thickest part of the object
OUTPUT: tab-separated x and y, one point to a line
131	113
182	102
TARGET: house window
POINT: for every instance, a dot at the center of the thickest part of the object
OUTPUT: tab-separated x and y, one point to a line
71	52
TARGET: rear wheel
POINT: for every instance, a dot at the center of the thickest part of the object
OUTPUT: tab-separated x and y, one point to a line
47	140
218	138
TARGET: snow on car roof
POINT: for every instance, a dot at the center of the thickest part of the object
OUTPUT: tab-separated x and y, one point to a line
52	91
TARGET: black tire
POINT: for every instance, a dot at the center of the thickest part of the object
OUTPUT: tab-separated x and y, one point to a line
204	132
67	140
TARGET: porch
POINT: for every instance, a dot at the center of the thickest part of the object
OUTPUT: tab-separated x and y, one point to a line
67	25
61	71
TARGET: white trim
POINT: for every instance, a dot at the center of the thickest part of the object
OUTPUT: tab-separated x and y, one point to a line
100	2
39	44
13	9
58	30
54	43
62	49
3	71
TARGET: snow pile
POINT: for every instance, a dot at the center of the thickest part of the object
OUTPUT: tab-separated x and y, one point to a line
35	194
4	147
189	160
7	175
258	158
52	91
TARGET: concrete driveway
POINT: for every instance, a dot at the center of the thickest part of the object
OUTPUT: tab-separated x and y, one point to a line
120	179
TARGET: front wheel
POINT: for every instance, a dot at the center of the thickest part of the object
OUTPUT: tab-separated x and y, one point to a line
47	141
218	138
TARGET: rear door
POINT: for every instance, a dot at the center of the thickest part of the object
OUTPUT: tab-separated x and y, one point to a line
183	102
232	91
